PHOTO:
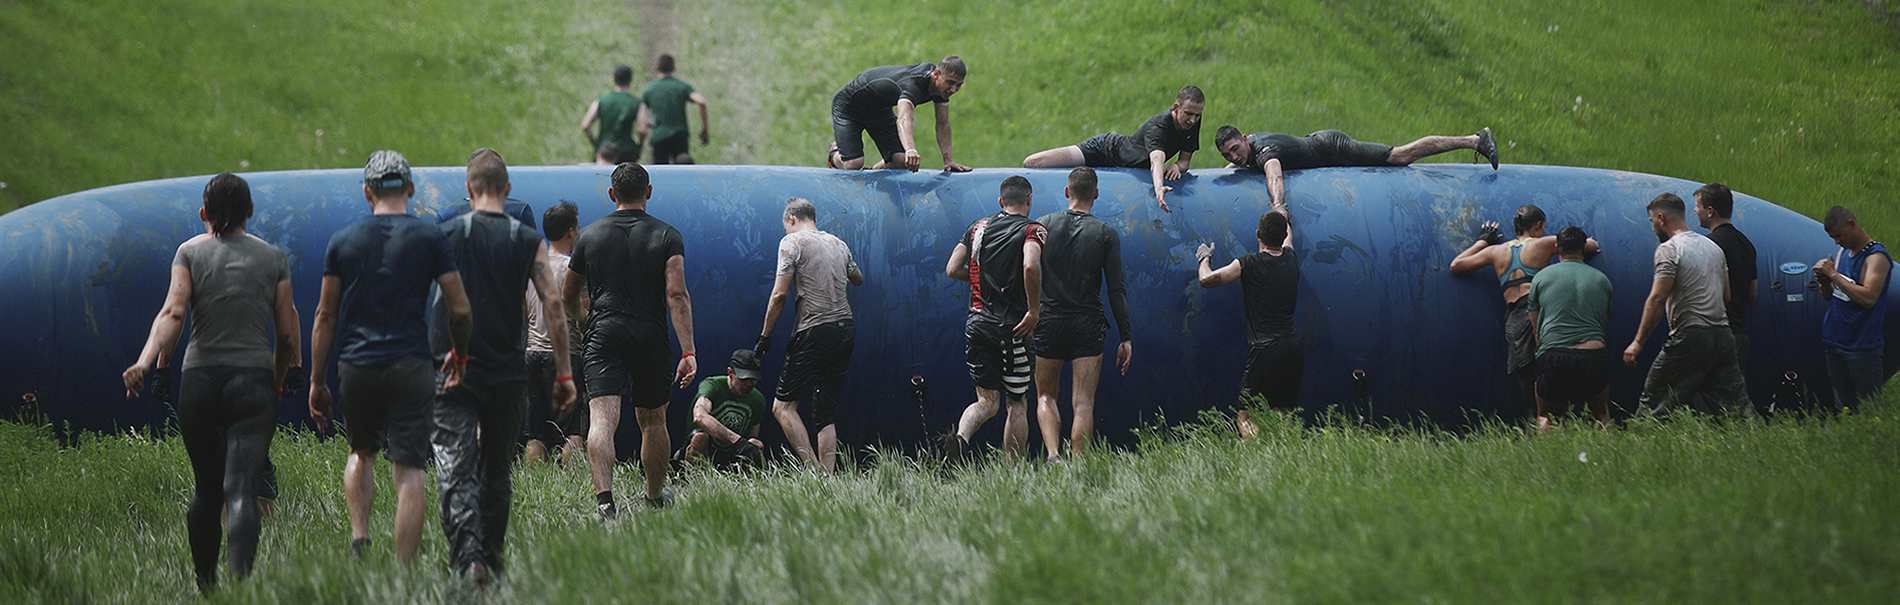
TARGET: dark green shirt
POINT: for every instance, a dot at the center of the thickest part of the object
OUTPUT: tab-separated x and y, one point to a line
739	414
666	98
616	113
1572	302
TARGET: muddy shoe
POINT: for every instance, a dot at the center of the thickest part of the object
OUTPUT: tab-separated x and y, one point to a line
954	449
665	499
358	547
1488	147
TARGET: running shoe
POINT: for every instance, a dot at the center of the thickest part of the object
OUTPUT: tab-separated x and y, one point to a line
1488	147
665	499
358	547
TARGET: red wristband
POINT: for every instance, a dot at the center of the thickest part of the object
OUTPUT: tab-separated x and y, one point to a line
564	379
686	355
457	358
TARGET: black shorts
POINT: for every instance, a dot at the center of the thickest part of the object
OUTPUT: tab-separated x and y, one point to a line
847	124
1067	338
388	408
630	358
1102	151
1571	375
815	365
998	360
664	150
1274	372
1334	148
541	423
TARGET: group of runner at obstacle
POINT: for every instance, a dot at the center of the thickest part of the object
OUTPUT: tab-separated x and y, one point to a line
451	390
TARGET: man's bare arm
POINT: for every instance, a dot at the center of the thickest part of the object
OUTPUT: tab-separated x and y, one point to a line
959	266
680	304
587	124
1276	181
906	133
775	306
943	139
554	316
1653	308
1157	160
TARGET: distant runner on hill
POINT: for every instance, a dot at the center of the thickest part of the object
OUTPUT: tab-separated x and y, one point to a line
865	103
1272	152
663	114
616	111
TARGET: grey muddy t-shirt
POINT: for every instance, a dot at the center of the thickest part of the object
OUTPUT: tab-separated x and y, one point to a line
1701	273
233	299
819	264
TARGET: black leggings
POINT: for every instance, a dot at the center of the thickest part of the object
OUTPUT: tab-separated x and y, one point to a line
227	417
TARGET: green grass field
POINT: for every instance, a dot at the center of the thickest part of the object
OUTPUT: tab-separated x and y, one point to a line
1779	512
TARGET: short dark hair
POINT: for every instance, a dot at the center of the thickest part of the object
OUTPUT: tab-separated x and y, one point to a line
1190	93
227	202
559	218
1570	240
1224	134
954	64
664	65
630	182
623	75
611	151
487	173
1668	204
801	208
1015	191
1718	198
1528	215
1836	218
1082	182
1272	228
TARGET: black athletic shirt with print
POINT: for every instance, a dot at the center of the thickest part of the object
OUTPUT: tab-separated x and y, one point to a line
996	245
1741	270
878	89
1160	133
1078	251
624	257
495	254
1292	151
1269	285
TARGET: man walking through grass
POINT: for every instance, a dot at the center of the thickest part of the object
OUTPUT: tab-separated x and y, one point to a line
1269	288
1515	263
865	105
632	268
1001	256
663	114
1714	204
1272	153
1856	280
1569	304
821	267
1697	362
547	424
1082	251
376	276
477	421
1176	131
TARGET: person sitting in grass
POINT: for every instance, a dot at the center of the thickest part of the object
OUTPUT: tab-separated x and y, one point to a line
726	414
1269	287
1176	131
865	103
1272	153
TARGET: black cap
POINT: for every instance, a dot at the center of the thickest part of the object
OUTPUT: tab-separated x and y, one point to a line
745	364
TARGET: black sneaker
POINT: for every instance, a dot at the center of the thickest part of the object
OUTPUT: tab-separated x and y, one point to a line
1488	147
608	511
358	547
267	481
665	499
954	448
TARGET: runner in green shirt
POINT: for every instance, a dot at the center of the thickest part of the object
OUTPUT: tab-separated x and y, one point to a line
663	113
615	111
726	414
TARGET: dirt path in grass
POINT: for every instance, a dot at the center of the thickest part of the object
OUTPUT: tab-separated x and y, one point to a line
721	51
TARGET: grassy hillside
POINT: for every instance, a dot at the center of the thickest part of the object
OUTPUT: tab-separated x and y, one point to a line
1687	512
1793	102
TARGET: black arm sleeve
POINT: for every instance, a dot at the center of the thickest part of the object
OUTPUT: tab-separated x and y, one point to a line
1117	288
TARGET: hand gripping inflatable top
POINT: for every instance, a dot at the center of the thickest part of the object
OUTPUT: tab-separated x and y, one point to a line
1388	331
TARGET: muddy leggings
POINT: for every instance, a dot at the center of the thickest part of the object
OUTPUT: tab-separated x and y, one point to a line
227	417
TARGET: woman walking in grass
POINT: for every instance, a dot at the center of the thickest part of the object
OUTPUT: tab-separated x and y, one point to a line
237	288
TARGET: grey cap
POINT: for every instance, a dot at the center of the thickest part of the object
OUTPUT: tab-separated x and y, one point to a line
387	170
744	365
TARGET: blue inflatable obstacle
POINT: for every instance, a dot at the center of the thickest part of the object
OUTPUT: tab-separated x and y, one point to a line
1389	331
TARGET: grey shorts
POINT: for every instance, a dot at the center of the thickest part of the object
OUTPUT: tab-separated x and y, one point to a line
387	408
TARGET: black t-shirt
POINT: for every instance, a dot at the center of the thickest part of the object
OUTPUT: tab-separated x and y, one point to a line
1078	251
1293	152
624	257
1740	254
496	254
877	90
386	263
996	245
1269	285
1160	133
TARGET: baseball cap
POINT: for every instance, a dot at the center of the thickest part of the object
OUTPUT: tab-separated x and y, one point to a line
745	364
387	170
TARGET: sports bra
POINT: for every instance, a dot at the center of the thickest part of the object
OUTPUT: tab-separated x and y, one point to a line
1505	280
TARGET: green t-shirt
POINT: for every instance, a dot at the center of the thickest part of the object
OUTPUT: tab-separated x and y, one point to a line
1572	302
666	98
616	113
737	413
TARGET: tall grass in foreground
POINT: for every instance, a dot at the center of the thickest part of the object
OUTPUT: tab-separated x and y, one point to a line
1681	511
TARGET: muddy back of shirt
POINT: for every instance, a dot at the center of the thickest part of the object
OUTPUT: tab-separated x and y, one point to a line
820	266
1078	253
623	255
1269	286
996	244
386	263
877	90
495	254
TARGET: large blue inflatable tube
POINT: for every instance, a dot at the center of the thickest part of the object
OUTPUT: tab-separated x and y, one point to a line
1389	331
